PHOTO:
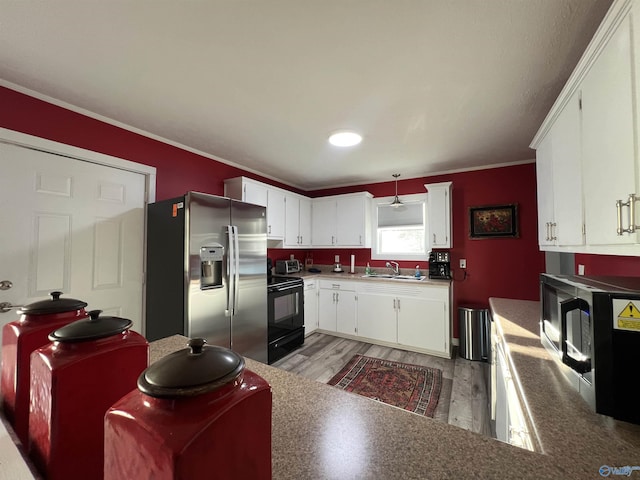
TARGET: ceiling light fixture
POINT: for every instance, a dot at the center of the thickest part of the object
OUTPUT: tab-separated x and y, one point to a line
345	138
396	201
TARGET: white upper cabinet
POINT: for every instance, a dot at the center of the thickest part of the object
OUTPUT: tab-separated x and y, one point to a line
439	216
559	179
608	122
252	191
342	220
297	221
588	170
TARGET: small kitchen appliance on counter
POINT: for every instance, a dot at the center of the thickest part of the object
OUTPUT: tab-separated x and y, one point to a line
439	265
337	268
197	413
90	365
284	267
591	327
19	340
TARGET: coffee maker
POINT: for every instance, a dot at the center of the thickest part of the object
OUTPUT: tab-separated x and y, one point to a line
439	265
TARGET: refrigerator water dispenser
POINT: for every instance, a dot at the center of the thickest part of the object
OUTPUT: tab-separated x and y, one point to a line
211	266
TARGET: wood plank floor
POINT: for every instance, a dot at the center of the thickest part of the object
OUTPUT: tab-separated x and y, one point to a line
463	399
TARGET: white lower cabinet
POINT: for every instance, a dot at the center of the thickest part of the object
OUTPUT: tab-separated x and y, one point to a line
511	426
310	306
377	317
410	316
422	323
337	307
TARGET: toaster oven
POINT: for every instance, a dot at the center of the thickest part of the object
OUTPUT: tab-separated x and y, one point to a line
287	266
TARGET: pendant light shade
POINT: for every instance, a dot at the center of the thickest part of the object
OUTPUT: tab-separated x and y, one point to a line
396	201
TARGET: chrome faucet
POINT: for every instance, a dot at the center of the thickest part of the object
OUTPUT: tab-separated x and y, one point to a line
395	268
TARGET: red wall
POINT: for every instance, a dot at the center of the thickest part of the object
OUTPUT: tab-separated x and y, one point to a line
496	267
178	171
608	265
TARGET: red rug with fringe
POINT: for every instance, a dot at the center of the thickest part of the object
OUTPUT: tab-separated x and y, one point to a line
410	387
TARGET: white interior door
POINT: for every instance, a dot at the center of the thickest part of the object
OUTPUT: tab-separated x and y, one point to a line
72	226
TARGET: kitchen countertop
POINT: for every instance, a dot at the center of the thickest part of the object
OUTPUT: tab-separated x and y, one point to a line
322	432
326	273
564	426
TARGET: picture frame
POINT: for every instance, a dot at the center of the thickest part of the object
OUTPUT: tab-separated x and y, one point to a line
493	221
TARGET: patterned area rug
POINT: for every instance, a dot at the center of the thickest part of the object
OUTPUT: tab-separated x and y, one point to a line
411	387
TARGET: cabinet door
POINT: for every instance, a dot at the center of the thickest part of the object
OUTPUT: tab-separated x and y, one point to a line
350	221
255	193
292	221
377	317
327	310
323	223
346	312
502	402
305	222
609	163
275	214
439	207
310	309
544	179
422	323
567	177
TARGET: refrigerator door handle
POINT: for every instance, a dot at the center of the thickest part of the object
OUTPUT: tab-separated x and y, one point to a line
230	271
236	281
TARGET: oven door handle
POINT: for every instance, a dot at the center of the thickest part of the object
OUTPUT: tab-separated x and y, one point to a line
566	306
282	289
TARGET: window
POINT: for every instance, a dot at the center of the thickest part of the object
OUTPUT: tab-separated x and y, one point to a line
400	233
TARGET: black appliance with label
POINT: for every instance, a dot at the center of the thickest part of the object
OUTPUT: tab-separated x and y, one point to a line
591	327
439	265
285	306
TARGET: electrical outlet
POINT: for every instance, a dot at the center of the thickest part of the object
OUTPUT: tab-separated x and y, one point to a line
580	269
463	263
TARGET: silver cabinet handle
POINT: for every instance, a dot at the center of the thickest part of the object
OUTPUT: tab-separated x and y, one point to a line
548	236
394	303
631	203
6	284
434	238
360	239
337	297
269	232
333	240
398	304
552	229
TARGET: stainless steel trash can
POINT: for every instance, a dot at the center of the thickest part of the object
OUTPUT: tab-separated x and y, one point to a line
474	332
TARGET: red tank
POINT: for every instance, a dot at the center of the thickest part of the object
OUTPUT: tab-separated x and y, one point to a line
19	340
74	380
197	413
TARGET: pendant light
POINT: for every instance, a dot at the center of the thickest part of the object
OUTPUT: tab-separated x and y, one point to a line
396	201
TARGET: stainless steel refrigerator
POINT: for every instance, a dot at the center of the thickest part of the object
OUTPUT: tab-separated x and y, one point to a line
206	272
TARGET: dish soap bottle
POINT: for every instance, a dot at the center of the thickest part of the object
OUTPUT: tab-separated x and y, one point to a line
367	269
418	274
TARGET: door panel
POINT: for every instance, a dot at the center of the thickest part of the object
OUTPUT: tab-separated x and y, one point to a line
73	226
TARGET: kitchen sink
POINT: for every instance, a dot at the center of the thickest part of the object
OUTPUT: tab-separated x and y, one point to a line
393	277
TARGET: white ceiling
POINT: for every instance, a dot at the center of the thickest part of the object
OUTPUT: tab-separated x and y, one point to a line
433	85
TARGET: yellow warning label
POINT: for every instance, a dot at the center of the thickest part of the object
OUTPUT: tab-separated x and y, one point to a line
629	317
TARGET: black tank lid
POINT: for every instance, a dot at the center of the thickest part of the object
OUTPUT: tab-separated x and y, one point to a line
192	371
54	305
91	328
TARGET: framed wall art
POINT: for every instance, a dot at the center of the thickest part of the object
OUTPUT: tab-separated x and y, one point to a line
493	221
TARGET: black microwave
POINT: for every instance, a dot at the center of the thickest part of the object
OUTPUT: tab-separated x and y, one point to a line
591	327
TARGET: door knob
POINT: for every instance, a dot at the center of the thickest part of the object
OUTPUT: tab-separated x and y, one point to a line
7	307
5	284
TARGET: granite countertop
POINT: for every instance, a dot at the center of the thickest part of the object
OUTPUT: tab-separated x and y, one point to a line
564	426
322	432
